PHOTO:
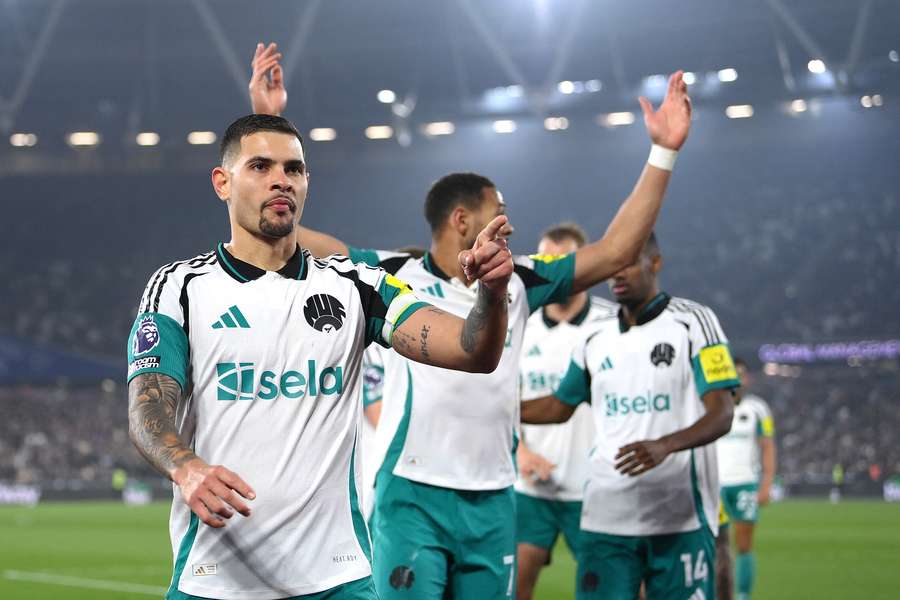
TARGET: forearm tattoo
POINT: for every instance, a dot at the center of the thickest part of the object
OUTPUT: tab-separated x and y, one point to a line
478	318
152	399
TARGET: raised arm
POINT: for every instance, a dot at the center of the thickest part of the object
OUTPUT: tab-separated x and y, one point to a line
438	338
208	490
621	245
547	409
640	457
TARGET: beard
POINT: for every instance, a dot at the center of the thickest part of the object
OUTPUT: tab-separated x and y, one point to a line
274	230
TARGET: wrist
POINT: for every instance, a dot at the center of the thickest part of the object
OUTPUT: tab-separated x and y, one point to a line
662	158
181	471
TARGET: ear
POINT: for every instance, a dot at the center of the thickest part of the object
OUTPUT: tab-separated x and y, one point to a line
221	181
460	220
656	263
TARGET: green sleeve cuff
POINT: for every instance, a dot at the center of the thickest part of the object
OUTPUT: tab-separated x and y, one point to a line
575	386
555	275
158	344
364	255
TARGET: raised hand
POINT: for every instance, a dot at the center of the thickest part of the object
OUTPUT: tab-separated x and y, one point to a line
490	260
267	93
668	127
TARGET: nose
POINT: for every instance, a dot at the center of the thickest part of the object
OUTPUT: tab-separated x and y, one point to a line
281	182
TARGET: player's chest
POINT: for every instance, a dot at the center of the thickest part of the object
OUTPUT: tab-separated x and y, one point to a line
744	424
654	356
271	315
545	358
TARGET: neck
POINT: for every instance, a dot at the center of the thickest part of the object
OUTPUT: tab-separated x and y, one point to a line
269	254
567	311
445	254
632	310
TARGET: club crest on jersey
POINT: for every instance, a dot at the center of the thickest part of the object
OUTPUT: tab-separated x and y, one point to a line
324	313
662	353
146	336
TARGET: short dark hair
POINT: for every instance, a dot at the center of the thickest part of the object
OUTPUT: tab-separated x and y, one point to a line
566	231
651	248
250	124
452	190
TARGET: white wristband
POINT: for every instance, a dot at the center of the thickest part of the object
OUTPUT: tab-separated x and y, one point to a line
662	158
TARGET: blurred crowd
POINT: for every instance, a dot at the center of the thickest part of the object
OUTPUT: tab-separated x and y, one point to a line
825	415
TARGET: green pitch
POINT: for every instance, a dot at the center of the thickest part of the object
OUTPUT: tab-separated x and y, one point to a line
103	550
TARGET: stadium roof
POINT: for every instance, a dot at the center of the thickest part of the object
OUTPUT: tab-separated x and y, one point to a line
174	66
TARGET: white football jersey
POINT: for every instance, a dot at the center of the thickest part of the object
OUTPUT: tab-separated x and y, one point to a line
447	428
645	382
739	450
546	354
270	366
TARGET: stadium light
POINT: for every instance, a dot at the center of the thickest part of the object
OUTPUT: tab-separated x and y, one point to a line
739	111
504	126
566	87
798	105
727	75
655	80
514	91
387	96
616	119
556	123
201	138
893	56
816	66
689	78
379	132
877	100
322	134
866	101
593	85
439	128
147	138
84	138
23	140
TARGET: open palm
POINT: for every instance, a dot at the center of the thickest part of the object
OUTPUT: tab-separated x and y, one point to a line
267	93
669	125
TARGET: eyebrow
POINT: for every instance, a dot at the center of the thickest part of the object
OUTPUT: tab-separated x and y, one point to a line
294	162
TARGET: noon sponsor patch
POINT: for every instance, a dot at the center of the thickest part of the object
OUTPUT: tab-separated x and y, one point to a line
547	258
139	364
717	364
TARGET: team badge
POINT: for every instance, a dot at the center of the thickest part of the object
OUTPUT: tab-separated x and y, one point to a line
324	313
146	337
662	353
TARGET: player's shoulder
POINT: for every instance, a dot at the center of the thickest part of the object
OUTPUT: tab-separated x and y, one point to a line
173	276
755	402
679	304
602	310
696	312
340	266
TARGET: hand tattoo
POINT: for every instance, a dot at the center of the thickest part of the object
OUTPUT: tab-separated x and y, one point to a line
152	399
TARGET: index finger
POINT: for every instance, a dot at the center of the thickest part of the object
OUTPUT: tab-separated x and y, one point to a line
490	232
233	481
674	83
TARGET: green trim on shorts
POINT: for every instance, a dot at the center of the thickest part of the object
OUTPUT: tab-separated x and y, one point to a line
184	549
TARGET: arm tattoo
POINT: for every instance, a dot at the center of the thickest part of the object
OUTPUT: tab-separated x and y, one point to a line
152	398
478	318
424	340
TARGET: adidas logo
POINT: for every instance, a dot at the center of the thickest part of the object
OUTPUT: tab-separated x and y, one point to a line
606	365
434	290
535	351
232	319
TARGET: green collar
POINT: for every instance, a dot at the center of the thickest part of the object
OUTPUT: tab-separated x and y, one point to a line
294	268
653	309
432	267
